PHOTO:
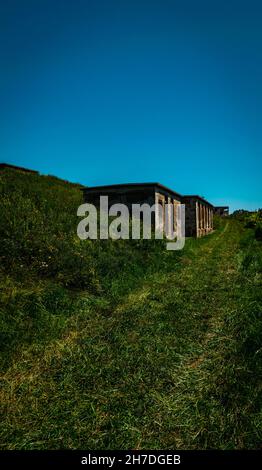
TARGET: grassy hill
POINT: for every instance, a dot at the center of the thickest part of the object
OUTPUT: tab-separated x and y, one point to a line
123	344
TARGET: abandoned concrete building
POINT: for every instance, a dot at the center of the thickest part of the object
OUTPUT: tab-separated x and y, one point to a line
198	211
223	211
136	193
199	216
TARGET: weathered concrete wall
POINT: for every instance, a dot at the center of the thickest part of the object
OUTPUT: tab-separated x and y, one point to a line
199	216
172	202
120	196
223	211
190	217
139	194
204	218
198	211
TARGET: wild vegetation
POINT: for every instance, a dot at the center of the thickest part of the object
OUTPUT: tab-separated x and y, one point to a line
250	220
122	344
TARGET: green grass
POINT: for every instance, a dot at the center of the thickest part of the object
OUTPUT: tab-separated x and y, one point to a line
122	344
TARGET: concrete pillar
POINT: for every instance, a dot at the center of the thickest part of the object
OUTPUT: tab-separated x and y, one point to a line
197	219
175	214
201	218
160	216
169	216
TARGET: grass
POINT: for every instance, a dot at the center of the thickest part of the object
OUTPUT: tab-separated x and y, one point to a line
122	344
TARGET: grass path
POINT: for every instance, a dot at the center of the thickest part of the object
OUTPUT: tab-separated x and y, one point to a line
199	292
150	372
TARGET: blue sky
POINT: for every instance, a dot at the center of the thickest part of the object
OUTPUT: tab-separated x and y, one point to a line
104	92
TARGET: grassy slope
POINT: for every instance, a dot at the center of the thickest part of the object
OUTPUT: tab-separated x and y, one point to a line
157	350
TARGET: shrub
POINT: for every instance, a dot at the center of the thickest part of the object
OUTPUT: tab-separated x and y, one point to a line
258	232
250	224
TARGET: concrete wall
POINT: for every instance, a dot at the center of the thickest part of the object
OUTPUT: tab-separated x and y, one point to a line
198	211
138	195
223	211
204	219
199	216
191	217
163	199
121	196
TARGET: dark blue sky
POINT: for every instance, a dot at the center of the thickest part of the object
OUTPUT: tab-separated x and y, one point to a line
112	91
